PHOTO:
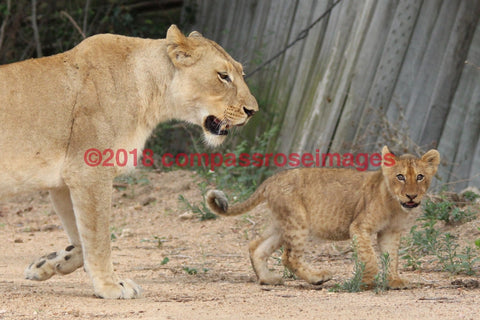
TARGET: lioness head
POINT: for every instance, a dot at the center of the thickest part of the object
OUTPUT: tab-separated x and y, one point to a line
409	177
210	89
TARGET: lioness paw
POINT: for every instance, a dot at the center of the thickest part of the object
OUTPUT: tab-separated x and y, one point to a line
61	262
124	289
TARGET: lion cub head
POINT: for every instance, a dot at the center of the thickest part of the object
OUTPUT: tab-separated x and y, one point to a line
409	177
209	85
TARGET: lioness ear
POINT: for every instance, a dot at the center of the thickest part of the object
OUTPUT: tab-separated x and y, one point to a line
195	34
180	51
432	157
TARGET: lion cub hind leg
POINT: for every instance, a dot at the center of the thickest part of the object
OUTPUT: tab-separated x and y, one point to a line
63	261
260	250
293	259
296	231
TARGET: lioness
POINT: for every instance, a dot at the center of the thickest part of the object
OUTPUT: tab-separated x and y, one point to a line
109	92
336	204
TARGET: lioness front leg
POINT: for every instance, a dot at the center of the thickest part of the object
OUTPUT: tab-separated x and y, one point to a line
91	198
63	261
389	242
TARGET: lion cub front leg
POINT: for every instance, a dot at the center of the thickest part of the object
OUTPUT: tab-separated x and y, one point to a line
389	242
366	254
91	197
64	261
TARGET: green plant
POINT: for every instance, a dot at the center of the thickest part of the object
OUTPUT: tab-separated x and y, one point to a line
468	259
381	279
477	242
202	211
355	283
114	232
470	195
428	241
190	271
165	261
245	179
287	273
446	211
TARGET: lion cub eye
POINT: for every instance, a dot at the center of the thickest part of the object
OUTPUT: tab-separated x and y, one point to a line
420	177
224	76
400	177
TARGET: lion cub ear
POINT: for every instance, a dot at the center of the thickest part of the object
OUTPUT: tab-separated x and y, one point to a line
432	157
195	34
180	50
388	158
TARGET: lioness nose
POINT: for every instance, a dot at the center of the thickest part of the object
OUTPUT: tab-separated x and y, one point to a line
248	112
411	196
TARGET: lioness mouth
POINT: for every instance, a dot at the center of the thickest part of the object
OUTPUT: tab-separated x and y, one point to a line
214	126
410	204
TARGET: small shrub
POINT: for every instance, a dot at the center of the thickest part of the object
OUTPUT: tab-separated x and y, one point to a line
354	284
427	240
381	279
202	211
470	196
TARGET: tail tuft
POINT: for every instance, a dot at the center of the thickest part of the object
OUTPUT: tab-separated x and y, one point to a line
217	201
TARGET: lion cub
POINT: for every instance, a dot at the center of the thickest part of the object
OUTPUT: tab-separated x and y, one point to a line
336	204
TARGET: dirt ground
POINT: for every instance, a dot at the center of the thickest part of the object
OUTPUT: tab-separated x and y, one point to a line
157	245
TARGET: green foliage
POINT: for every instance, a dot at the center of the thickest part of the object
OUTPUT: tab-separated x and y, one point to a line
381	279
287	273
355	283
442	249
446	211
243	181
165	261
194	271
477	242
202	211
470	196
62	24
190	271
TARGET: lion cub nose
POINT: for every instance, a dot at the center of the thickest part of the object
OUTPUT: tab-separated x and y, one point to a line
249	112
411	196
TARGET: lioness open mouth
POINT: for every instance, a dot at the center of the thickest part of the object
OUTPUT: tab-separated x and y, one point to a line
410	204
214	126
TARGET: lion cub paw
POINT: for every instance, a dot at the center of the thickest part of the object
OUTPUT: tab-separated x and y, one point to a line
124	289
271	280
398	283
61	262
319	278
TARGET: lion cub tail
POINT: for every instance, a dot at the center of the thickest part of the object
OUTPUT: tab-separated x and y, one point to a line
218	203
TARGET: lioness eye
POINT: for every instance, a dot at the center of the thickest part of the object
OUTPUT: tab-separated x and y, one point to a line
420	177
224	76
400	177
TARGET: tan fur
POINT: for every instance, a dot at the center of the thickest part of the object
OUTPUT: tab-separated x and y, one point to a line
335	204
110	91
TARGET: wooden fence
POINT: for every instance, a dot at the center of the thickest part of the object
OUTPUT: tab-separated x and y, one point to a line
400	72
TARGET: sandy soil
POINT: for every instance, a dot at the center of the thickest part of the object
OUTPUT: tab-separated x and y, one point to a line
148	228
